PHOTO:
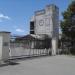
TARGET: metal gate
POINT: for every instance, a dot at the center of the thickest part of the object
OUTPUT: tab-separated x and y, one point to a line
19	50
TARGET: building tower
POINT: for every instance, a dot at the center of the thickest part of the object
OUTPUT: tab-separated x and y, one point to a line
46	22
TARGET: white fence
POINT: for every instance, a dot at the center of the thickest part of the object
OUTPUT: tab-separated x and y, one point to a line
20	51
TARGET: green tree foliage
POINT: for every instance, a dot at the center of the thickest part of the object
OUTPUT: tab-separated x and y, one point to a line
68	22
68	25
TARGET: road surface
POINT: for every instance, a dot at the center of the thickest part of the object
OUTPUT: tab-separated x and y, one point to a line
49	65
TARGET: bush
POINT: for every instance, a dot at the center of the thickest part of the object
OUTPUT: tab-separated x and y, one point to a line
72	51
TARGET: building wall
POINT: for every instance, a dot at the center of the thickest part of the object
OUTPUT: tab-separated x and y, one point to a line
1	47
4	45
40	25
46	21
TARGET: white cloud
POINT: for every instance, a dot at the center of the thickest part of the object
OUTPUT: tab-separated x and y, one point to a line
4	17
19	30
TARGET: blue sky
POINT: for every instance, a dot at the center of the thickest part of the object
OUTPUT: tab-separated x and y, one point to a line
15	14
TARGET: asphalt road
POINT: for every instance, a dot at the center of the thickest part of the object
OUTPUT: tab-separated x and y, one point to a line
49	65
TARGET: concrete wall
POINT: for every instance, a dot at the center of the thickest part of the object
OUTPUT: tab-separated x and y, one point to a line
1	43
4	45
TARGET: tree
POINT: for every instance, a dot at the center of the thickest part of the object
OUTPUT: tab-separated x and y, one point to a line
68	22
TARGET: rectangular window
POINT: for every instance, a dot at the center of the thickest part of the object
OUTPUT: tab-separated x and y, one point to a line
31	32
32	25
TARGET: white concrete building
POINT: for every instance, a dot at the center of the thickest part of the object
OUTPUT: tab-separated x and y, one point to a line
46	22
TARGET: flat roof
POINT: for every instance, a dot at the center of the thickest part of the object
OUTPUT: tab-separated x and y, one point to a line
4	32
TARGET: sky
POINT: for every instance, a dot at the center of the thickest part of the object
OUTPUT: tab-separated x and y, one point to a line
15	14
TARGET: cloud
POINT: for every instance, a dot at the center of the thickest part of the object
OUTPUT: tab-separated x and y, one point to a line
19	30
4	17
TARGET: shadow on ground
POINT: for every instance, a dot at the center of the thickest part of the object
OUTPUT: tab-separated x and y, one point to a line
9	63
15	61
29	58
